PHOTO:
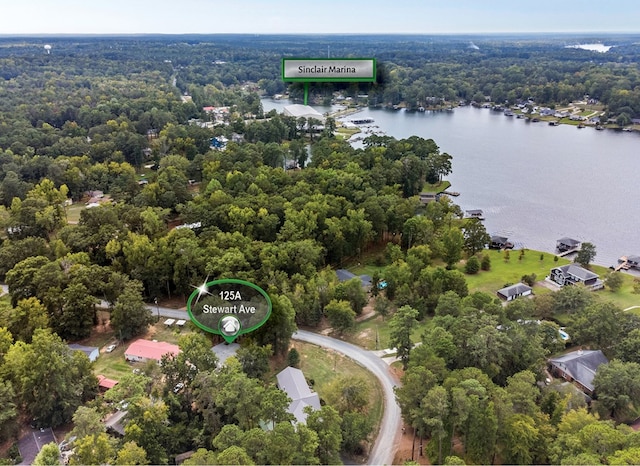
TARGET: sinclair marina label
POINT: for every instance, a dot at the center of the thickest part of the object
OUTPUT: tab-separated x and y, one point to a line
329	69
229	308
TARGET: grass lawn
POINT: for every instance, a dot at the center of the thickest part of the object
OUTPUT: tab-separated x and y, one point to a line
113	365
73	212
323	366
509	272
624	297
365	332
436	187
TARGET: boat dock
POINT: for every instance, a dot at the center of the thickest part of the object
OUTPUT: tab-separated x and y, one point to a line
568	251
623	264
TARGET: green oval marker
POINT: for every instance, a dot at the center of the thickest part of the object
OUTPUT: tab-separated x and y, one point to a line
229	307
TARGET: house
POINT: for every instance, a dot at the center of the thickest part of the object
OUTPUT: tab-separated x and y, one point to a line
344	275
512	292
571	274
427	197
145	350
579	367
91	351
500	242
292	382
566	244
105	384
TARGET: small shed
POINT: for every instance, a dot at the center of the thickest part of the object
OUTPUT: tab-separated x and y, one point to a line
91	351
512	292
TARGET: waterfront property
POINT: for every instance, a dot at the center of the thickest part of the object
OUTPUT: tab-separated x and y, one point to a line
628	262
567	244
579	367
571	274
427	197
512	292
474	213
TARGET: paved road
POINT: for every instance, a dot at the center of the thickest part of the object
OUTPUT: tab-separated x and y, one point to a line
383	450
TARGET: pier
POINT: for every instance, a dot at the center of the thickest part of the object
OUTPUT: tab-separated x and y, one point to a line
568	251
623	264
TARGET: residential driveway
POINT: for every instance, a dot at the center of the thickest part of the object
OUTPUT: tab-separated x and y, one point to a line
31	443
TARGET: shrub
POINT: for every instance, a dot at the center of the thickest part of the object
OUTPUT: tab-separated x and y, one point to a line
485	264
293	358
529	279
472	266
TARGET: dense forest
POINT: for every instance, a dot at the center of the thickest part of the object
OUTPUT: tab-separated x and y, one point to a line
109	115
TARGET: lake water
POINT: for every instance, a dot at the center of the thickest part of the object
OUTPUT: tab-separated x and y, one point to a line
535	183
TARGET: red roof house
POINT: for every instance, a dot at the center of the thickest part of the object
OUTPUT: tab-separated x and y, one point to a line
143	350
105	384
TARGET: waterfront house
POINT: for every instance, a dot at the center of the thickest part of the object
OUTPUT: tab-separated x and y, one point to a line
579	367
427	197
292	382
571	274
567	244
512	292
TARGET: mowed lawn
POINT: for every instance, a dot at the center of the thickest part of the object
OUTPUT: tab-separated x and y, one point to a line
507	272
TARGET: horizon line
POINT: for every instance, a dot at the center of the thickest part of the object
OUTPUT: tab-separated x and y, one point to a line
112	34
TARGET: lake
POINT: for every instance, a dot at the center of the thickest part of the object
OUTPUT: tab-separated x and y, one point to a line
535	183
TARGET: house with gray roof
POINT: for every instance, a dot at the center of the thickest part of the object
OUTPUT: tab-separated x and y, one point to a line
344	275
91	351
292	382
579	367
512	292
571	274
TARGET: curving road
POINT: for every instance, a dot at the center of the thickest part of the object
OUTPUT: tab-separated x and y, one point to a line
383	450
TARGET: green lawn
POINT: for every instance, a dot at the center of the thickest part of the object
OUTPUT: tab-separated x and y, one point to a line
364	335
504	272
323	366
435	187
73	212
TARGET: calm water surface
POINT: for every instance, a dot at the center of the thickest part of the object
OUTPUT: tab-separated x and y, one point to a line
535	183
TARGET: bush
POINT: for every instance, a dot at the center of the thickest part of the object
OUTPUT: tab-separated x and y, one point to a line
485	264
472	266
529	279
636	285
293	358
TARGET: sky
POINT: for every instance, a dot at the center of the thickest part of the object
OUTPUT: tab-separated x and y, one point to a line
320	16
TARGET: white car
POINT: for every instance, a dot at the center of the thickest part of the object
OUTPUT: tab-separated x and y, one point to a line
110	348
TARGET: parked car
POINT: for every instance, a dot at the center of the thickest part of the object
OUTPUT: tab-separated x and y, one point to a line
110	348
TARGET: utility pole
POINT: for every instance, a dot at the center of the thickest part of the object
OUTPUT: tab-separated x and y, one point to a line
155	300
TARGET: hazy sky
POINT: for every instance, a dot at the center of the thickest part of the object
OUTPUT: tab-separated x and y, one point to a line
321	16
